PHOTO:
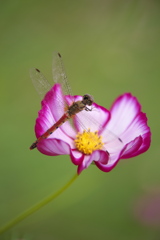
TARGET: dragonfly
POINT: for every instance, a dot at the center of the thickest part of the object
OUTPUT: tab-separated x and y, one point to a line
59	76
42	86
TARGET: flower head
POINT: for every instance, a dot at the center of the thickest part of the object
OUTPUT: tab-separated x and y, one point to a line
98	135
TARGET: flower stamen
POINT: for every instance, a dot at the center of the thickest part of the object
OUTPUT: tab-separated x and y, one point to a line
88	141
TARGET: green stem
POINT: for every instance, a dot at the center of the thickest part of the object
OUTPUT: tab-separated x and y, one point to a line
37	206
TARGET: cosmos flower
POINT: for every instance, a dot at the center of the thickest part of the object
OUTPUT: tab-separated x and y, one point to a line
98	136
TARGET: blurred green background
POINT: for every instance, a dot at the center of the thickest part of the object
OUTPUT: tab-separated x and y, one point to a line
108	48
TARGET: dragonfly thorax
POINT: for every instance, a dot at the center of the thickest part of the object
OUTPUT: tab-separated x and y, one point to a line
78	106
87	100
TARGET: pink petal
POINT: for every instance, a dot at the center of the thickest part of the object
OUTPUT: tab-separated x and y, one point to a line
126	115
123	112
145	145
138	127
76	156
134	148
96	156
53	147
112	143
130	150
71	99
95	120
112	162
55	101
44	121
51	112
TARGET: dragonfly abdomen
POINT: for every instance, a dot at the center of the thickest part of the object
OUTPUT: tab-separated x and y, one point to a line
62	120
75	108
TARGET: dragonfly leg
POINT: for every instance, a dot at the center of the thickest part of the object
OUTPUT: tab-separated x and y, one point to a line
88	109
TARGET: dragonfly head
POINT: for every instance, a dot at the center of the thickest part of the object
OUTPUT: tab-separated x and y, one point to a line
87	100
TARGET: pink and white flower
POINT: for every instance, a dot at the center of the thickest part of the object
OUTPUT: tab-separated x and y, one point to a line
99	136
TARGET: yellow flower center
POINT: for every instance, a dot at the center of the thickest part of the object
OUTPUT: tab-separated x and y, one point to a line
87	142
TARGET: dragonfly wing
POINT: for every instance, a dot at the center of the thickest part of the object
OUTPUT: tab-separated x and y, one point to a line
109	138
112	141
59	74
42	86
39	81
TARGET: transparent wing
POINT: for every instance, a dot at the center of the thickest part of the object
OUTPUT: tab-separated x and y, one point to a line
109	137
112	141
59	74
40	83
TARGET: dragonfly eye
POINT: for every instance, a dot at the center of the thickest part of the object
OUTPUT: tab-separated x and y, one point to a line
87	99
